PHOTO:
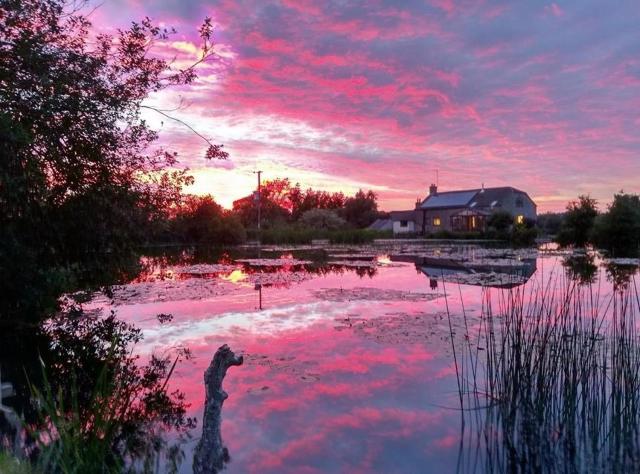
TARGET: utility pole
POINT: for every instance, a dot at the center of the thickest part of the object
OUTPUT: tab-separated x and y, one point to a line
259	197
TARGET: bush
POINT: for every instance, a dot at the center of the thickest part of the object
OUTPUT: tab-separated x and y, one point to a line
322	219
500	221
285	235
356	236
550	223
523	235
11	465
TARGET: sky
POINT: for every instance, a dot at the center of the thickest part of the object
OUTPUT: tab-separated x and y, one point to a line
392	96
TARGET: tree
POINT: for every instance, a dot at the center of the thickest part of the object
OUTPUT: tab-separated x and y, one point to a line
78	174
362	209
202	220
578	222
322	219
303	201
618	230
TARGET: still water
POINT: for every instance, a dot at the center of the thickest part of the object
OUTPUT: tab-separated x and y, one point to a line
353	355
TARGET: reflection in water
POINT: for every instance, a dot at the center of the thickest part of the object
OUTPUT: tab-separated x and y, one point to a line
258	288
620	275
552	383
581	268
482	273
97	405
365	370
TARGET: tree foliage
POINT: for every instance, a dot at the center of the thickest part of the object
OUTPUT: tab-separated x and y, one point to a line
322	219
281	203
550	223
79	176
618	230
500	221
199	219
362	209
578	222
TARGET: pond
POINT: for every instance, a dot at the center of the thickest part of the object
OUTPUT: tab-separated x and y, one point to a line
391	357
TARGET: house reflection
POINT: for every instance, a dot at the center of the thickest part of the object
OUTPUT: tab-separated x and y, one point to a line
472	273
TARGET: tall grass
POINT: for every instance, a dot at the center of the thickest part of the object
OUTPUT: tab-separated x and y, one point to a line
549	380
303	235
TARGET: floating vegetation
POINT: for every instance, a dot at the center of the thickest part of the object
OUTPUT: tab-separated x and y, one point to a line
279	278
273	262
402	328
206	269
291	248
168	290
624	261
354	263
485	279
371	294
300	369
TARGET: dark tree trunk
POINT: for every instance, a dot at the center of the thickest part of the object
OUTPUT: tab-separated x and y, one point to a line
210	454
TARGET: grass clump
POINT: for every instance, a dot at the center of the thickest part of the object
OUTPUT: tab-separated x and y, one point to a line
549	380
12	465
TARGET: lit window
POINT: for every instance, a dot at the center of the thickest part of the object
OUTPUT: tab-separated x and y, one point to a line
436	221
520	219
473	222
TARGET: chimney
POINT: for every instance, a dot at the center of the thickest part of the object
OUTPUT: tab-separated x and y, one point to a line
433	190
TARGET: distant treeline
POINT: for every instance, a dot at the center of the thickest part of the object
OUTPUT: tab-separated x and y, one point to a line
286	214
615	229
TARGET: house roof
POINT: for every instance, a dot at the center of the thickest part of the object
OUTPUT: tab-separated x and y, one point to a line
449	199
489	196
472	198
403	215
382	224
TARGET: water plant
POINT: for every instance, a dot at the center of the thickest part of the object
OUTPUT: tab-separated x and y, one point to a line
549	379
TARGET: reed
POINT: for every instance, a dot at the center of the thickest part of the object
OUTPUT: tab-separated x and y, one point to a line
549	379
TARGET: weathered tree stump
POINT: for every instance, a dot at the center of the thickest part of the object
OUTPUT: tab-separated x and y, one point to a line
210	455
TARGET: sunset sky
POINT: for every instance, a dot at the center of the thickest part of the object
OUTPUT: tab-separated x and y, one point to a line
341	95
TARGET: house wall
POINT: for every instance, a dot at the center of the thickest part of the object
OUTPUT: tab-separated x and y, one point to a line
528	209
398	229
445	219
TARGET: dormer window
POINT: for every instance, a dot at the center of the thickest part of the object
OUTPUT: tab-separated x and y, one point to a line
519	202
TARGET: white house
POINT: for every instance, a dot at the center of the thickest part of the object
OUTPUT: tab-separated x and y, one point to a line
404	222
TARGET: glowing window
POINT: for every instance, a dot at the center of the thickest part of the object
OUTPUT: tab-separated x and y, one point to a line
436	221
520	219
